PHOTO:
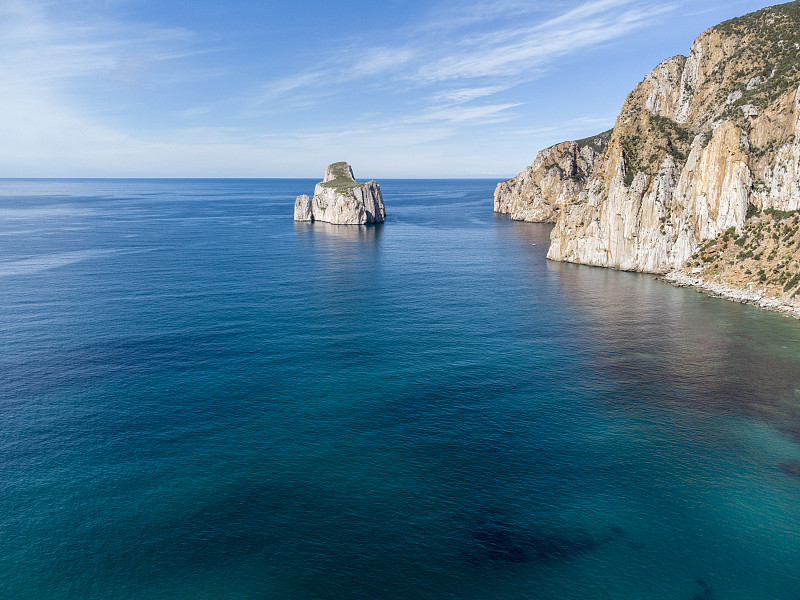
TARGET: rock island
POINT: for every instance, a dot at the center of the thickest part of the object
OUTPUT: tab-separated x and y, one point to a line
341	200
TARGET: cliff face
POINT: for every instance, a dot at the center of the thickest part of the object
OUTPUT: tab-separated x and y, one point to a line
558	174
341	200
701	145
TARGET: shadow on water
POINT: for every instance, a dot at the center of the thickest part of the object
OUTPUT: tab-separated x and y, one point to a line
653	339
339	258
347	233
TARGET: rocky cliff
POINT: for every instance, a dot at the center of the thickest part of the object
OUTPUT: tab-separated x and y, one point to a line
558	174
702	147
341	200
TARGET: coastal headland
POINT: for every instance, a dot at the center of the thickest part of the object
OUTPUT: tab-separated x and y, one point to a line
699	179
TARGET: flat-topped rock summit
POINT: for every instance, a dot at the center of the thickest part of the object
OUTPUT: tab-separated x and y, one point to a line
341	200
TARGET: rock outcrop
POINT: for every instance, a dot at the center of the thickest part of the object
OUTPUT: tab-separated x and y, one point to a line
701	145
302	208
558	174
341	200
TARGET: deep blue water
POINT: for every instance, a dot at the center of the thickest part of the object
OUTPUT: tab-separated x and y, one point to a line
202	399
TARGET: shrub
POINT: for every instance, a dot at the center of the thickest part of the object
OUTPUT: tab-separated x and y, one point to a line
781	214
792	282
752	211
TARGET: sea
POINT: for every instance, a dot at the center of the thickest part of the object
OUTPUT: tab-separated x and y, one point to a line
201	399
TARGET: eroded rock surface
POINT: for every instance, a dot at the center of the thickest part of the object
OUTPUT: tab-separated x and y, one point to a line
702	146
341	200
557	175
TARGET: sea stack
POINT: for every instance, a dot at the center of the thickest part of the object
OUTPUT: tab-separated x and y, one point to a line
341	200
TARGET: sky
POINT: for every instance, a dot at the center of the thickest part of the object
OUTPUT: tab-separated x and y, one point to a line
273	88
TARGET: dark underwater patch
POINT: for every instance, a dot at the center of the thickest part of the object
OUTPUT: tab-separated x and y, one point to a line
498	542
705	592
791	467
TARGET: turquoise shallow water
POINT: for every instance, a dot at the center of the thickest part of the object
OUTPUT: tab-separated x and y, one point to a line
202	399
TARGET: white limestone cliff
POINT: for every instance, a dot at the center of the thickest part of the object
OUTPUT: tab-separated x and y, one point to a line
302	208
557	175
699	143
341	200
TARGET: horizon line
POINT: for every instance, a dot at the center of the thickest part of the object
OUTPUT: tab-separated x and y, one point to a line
242	178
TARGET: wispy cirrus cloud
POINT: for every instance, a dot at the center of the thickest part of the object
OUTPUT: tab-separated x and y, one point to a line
483	113
453	15
467	94
465	67
524	52
350	65
36	46
287	85
51	54
125	87
564	128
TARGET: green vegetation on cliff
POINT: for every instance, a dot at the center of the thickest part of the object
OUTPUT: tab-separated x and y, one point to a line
769	41
648	140
598	142
341	180
766	254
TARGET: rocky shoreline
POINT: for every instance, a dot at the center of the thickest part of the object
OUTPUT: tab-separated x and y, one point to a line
721	290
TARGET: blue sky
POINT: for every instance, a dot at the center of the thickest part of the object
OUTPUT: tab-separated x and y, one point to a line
252	88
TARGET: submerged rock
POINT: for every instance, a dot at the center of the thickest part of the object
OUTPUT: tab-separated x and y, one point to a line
791	467
705	593
498	542
341	200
